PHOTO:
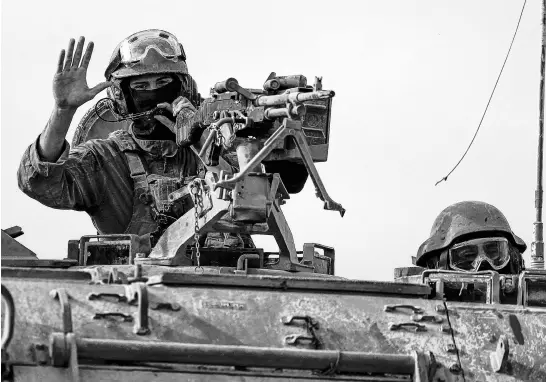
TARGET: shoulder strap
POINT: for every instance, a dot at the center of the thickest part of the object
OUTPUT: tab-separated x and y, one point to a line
124	140
139	176
135	162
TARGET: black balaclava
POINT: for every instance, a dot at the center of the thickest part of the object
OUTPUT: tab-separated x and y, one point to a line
145	100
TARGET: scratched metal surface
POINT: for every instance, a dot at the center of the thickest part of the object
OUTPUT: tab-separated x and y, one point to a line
253	316
177	374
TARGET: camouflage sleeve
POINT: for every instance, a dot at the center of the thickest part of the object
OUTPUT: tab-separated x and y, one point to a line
72	182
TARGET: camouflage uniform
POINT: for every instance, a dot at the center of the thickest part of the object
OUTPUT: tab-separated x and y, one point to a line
95	177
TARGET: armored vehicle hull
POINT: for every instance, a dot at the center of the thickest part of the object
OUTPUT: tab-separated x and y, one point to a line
142	323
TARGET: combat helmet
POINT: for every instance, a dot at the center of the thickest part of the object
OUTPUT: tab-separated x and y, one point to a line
151	51
466	220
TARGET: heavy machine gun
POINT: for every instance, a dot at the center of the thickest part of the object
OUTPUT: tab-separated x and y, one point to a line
251	127
282	115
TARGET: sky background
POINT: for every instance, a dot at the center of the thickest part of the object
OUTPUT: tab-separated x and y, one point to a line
412	79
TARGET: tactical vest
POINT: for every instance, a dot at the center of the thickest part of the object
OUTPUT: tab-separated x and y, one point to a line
142	221
152	212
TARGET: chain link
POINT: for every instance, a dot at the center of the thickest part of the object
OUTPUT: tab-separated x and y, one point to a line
197	192
220	139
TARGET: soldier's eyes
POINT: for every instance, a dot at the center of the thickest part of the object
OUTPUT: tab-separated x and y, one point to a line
492	250
161	83
468	252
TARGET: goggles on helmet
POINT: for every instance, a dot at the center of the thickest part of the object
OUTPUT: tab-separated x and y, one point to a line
135	47
468	256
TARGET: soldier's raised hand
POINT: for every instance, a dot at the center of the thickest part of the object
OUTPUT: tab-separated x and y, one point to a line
70	88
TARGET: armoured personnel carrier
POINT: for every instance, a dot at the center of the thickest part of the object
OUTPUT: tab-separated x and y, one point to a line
118	309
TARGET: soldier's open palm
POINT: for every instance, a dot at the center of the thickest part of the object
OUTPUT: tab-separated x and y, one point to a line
70	88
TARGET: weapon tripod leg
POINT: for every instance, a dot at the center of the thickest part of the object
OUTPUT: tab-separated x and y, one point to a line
303	148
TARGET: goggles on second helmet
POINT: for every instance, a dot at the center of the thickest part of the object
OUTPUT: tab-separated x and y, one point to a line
468	256
135	47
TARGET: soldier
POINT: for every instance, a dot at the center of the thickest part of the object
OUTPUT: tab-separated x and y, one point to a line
123	181
470	237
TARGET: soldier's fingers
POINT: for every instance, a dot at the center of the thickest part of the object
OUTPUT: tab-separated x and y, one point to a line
183	105
190	105
177	108
69	53
78	52
178	99
165	105
87	55
175	104
60	62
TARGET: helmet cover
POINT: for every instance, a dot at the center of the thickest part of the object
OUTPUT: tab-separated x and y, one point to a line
469	218
152	51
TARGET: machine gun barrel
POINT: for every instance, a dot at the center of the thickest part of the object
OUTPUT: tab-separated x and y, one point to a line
295	97
281	112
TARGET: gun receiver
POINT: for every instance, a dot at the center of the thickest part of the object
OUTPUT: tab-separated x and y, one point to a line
272	119
232	85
